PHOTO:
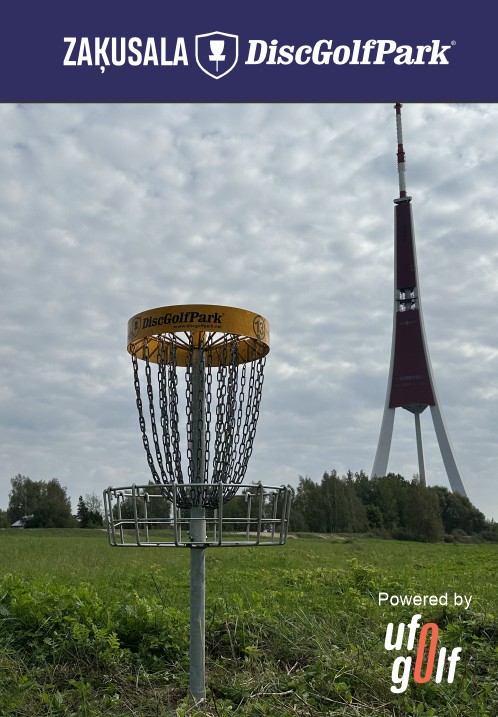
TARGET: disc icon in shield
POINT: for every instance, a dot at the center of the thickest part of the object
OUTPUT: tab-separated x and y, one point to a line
216	53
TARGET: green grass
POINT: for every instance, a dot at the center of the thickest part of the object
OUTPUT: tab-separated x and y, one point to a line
91	630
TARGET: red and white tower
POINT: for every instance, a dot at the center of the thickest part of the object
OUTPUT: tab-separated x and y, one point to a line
411	380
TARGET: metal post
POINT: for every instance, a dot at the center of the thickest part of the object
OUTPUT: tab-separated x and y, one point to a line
274	498
248	523
121	532
260	494
219	512
197	535
146	517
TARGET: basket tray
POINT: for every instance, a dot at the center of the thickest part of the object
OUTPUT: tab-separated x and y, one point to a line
151	516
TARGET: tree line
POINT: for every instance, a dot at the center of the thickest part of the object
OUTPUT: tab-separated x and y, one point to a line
389	505
46	504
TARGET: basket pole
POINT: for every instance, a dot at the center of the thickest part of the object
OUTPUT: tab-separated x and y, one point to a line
197	535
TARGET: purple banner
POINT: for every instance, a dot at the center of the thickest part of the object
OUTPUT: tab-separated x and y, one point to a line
245	52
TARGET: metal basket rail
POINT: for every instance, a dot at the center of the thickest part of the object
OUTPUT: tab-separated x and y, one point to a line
131	523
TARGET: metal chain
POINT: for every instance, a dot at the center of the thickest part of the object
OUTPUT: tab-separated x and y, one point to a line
199	467
166	424
226	423
230	425
251	419
223	432
141	419
188	410
221	392
173	409
208	383
152	413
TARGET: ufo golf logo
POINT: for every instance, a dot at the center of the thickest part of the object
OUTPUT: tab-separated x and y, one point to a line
216	53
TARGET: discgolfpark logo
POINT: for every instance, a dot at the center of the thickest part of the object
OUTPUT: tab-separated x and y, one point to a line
218	53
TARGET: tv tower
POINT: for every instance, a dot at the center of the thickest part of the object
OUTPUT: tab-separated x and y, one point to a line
411	380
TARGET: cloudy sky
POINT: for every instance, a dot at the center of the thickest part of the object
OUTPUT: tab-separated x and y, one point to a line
285	210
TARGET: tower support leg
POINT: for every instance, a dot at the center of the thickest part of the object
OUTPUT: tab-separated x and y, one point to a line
384	445
447	452
420	450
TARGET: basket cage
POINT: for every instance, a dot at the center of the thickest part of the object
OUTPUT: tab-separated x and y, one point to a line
152	516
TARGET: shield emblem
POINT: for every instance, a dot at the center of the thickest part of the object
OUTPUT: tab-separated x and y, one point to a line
216	53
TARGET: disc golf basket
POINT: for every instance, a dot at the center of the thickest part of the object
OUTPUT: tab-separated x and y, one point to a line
198	400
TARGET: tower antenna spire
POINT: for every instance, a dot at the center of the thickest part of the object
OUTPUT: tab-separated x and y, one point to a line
401	153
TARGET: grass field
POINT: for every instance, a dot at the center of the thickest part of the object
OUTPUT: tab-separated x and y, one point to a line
90	630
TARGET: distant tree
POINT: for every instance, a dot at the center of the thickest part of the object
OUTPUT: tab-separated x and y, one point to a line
457	512
95	510
82	513
4	519
332	501
54	508
492	526
491	531
24	497
47	502
297	523
363	486
308	504
367	491
344	511
422	514
387	493
375	517
357	515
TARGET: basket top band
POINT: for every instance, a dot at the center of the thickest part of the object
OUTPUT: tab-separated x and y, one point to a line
214	328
